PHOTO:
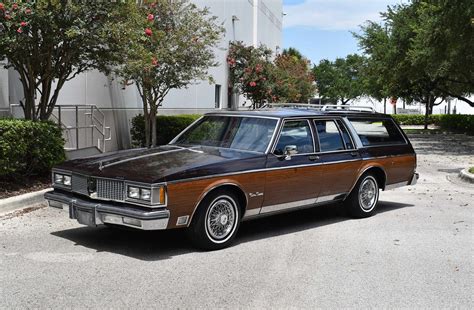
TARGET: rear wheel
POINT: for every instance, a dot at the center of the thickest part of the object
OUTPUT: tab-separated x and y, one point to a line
216	221
362	201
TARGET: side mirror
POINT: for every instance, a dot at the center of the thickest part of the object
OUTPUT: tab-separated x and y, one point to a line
290	150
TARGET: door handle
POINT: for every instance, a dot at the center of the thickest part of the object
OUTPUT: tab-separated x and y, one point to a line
354	154
313	157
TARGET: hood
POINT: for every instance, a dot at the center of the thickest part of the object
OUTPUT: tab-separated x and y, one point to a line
165	163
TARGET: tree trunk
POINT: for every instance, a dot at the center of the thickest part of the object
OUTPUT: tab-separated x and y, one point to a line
153	126
384	105
428	105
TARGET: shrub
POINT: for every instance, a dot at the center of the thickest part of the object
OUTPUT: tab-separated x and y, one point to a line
167	128
453	122
458	123
29	148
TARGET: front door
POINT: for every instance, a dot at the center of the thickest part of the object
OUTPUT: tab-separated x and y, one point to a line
292	181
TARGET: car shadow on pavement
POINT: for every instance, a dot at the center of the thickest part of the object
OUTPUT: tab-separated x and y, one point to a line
159	245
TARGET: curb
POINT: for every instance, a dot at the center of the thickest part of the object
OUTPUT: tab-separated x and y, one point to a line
22	201
466	176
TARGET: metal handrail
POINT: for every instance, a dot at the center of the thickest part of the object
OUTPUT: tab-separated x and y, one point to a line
97	124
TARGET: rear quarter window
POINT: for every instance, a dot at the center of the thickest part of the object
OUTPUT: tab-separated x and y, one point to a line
373	132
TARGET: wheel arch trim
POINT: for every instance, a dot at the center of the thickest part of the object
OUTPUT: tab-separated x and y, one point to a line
214	186
364	170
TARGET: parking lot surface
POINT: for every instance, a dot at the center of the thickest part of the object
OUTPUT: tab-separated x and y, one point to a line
416	252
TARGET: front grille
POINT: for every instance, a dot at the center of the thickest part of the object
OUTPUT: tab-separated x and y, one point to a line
105	188
110	189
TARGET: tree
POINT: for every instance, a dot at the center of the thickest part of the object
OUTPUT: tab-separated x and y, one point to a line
340	80
49	42
293	77
251	73
420	51
171	46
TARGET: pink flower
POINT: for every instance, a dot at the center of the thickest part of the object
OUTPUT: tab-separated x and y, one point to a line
154	62
2	6
8	17
150	17
19	30
15	6
23	24
28	11
252	84
148	32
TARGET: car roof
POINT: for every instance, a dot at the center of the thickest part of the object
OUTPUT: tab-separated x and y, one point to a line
294	112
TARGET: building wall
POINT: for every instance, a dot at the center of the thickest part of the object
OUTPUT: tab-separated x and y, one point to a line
251	21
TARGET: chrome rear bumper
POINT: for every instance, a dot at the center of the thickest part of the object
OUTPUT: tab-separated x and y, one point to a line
414	179
93	213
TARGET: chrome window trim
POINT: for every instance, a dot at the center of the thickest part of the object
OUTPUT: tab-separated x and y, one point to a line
278	119
293	120
348	133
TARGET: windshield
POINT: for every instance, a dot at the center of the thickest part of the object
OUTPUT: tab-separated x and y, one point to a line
240	133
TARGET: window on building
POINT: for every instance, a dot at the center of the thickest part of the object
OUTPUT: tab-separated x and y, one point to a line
217	99
377	131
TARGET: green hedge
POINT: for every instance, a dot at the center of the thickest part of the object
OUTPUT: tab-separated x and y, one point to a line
416	119
29	148
167	128
458	123
453	122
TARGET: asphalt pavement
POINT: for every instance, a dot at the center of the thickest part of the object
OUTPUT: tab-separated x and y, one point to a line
418	251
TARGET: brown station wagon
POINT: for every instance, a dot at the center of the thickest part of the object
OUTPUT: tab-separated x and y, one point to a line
233	166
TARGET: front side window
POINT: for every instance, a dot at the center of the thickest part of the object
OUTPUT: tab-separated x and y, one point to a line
373	132
295	133
330	138
240	133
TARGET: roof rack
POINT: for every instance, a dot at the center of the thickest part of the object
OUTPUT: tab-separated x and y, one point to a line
321	107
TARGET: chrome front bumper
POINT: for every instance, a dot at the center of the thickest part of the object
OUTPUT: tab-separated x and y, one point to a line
93	213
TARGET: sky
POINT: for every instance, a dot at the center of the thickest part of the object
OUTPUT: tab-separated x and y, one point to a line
321	29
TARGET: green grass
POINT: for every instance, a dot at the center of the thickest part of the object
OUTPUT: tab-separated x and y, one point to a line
471	170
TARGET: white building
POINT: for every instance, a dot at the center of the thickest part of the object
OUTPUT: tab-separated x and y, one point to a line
252	21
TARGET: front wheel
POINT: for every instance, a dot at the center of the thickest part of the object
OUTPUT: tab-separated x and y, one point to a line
216	221
362	201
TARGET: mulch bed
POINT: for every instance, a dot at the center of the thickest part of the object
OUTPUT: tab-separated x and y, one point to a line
27	185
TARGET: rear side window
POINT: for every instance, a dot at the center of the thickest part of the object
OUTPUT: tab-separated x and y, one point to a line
329	136
373	132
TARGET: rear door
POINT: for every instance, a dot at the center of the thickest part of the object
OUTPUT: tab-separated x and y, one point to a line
292	182
339	156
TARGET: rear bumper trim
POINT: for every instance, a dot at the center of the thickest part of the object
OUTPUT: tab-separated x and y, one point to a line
93	213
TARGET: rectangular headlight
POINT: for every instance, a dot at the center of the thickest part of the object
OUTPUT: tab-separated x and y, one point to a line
145	194
62	179
133	192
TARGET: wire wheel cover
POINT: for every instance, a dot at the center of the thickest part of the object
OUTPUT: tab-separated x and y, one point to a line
220	219
368	194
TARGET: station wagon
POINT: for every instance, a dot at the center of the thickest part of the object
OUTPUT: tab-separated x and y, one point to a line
232	166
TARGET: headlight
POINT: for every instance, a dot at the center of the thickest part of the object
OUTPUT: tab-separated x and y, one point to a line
145	194
62	179
133	192
153	196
